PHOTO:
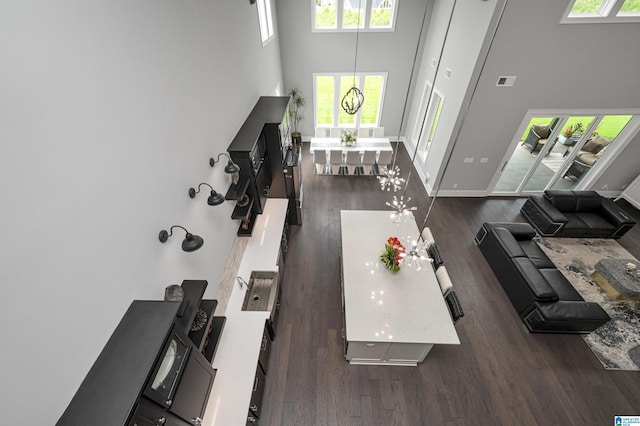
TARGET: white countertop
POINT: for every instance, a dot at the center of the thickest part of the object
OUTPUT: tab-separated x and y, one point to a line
385	306
378	144
238	350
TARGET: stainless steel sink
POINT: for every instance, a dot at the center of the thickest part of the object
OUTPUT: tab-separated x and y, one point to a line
261	292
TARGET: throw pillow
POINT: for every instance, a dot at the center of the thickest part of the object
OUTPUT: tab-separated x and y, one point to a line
541	130
602	141
592	146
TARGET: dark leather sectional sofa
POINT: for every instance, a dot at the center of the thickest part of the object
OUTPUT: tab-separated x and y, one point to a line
542	296
583	214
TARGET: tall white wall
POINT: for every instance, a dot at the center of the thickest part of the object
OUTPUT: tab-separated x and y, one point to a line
579	66
305	52
109	112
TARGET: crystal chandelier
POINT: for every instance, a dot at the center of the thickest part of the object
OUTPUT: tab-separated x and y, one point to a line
400	210
391	179
417	256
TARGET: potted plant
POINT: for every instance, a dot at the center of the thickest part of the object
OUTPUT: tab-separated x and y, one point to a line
570	130
348	137
295	110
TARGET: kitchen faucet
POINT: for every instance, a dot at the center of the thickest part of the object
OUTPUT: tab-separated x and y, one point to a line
242	283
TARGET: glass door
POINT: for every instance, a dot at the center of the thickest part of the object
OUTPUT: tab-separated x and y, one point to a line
581	158
554	155
557	152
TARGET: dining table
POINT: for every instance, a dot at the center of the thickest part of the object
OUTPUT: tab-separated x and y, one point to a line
361	144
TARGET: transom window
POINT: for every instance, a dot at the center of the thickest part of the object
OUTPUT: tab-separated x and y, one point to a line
328	90
589	11
342	15
265	19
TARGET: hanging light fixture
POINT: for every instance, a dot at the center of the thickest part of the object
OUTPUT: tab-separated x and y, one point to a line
418	255
400	210
390	177
353	99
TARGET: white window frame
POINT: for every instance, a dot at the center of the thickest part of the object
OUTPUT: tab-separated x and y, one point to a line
337	98
608	13
265	21
367	15
426	125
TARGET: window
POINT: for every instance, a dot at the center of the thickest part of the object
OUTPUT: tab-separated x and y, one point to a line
590	11
265	19
342	15
330	88
425	129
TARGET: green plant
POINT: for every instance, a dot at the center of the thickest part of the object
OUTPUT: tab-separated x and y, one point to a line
571	129
295	108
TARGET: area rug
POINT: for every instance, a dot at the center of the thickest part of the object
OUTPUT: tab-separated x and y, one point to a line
617	343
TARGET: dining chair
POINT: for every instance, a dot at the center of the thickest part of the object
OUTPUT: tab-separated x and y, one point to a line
368	160
453	303
322	132
353	161
320	161
384	159
444	280
335	132
427	236
378	132
363	132
335	159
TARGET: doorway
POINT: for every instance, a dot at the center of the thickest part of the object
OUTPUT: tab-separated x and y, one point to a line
558	151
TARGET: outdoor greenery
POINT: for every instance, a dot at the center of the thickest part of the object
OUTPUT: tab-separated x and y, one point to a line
325	99
326	17
609	127
592	6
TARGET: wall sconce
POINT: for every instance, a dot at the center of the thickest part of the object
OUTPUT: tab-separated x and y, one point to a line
231	168
190	243
214	199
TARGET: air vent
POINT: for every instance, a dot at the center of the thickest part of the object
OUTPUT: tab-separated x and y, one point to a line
506	81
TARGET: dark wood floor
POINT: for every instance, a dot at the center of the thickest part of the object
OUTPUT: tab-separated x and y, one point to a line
500	374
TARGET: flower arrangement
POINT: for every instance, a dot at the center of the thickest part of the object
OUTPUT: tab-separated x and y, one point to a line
348	137
392	254
570	130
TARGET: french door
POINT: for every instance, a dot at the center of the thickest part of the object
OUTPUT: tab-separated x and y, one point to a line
560	151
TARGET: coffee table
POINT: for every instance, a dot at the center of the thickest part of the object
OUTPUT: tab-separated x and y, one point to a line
611	275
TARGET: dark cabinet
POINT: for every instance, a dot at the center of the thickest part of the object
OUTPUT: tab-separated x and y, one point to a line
257	392
265	350
259	148
195	386
152	370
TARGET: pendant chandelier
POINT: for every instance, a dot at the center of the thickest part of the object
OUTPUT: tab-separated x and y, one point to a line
417	256
353	99
390	178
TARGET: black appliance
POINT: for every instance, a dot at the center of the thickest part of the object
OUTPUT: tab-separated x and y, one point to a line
181	379
293	183
151	372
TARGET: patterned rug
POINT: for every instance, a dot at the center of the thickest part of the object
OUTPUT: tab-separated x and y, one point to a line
617	343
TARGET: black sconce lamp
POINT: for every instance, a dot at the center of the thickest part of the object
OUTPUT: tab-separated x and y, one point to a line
231	168
214	199
190	243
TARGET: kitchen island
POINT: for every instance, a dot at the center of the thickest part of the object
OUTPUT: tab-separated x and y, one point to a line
390	318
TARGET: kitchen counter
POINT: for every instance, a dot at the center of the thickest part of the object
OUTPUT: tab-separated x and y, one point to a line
239	346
